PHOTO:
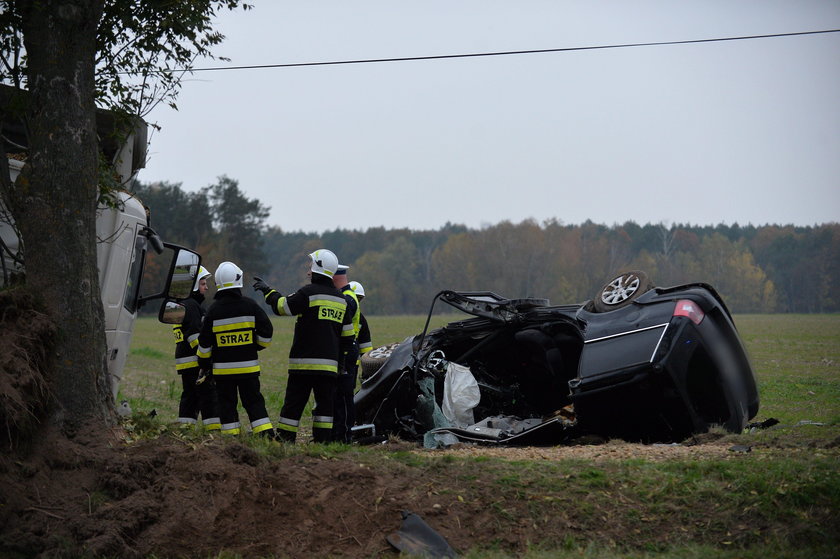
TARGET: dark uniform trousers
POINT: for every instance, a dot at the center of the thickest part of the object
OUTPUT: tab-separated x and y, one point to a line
344	411
298	389
195	398
231	389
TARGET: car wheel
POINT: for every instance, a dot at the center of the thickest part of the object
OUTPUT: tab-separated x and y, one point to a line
622	291
373	359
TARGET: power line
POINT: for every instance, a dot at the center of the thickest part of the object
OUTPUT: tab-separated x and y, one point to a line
506	53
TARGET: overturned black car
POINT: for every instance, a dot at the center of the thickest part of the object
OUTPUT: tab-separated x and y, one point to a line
638	362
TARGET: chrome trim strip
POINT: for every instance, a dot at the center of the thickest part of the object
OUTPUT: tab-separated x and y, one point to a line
663	325
658	343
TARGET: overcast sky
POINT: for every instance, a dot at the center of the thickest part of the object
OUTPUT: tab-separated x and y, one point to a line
744	131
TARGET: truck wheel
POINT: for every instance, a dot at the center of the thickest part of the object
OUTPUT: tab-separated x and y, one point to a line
622	291
372	360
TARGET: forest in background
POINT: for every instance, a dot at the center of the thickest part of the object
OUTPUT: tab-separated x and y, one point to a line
757	269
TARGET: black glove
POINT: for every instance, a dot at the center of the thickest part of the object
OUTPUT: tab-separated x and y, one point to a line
203	375
260	285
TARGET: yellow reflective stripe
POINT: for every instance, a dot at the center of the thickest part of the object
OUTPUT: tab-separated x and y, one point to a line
236	368
327	301
261	425
328	368
365	347
234	319
289	428
234	326
236	371
358	314
322	422
186	363
290	422
231	428
283	307
307	364
204	352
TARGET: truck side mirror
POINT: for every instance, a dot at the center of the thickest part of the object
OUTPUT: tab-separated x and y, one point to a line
178	283
182	277
172	312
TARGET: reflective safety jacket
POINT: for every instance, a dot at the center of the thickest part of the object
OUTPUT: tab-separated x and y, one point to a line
235	328
349	332
186	336
320	309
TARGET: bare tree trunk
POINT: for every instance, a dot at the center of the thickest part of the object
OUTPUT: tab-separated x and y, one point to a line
55	200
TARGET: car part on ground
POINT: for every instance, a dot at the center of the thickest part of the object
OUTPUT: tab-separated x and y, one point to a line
664	364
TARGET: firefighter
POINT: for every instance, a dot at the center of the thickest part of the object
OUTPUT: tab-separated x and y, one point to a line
194	398
314	355
344	412
235	328
363	338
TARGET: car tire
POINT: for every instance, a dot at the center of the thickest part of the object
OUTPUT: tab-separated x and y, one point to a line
621	291
373	360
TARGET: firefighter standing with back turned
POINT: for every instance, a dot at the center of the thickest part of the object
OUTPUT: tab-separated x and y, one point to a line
314	355
235	329
194	398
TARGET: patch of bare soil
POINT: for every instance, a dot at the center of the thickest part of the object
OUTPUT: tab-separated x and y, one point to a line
176	498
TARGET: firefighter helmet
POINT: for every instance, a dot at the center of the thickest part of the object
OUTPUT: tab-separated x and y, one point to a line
228	276
357	289
202	273
324	262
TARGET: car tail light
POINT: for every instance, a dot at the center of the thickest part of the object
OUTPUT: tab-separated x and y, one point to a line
690	309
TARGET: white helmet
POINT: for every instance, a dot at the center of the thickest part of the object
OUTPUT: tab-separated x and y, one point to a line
357	288
202	273
228	276
324	262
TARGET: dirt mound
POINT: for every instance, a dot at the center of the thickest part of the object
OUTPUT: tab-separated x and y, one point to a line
26	332
192	498
177	498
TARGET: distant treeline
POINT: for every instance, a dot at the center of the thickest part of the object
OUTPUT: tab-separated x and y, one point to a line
768	268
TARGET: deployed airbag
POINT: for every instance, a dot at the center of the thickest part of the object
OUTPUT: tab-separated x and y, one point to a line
460	395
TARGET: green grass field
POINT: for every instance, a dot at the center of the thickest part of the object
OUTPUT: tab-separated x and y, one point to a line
780	501
796	358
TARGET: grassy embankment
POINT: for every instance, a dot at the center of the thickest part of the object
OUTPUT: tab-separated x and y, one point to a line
780	500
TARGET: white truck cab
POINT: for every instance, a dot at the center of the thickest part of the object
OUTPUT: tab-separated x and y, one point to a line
124	240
